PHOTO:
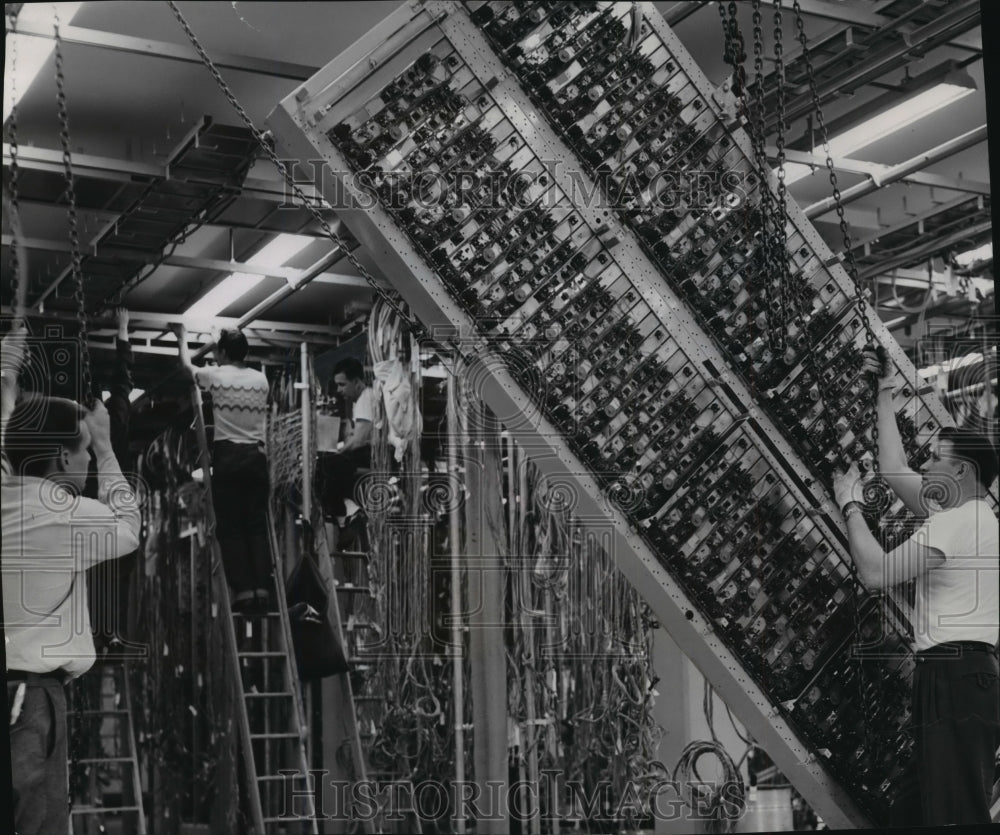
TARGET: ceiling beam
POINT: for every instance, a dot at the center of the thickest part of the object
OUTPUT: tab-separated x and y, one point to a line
290	274
108	168
898	172
148	320
913	220
879	172
168	50
930	247
957	18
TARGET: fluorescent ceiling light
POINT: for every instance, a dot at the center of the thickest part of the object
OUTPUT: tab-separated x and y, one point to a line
897	117
972	255
235	285
32	51
894	111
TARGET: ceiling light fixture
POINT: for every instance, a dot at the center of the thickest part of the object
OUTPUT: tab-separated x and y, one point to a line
32	51
917	98
235	285
970	256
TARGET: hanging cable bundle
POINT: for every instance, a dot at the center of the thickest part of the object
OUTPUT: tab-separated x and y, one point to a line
581	683
724	806
186	704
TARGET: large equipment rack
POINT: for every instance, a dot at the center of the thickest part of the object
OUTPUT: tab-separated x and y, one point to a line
616	364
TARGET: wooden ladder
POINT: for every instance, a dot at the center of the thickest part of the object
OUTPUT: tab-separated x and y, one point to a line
271	720
112	763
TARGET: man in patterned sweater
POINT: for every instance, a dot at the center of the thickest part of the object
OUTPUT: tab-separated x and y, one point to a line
240	483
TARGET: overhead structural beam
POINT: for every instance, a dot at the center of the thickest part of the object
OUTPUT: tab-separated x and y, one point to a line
898	172
913	223
291	275
281	294
145	319
108	168
932	247
168	50
879	172
954	19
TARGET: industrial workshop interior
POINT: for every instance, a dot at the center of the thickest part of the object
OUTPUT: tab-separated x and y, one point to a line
487	417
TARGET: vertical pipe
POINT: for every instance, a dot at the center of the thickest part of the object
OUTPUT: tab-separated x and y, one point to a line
988	408
306	438
532	730
454	534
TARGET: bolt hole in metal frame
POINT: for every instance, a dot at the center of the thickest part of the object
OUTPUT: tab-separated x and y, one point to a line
673	316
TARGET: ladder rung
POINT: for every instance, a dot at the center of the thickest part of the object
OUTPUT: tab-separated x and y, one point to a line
101	810
272	777
354	589
107	760
261	654
351	555
257	616
275	736
271	694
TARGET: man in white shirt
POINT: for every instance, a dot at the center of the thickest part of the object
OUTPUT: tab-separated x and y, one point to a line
338	470
51	535
240	478
954	558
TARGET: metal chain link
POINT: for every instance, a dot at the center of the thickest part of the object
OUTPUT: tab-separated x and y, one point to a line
755	123
782	242
13	10
76	266
76	739
852	267
735	49
871	738
414	326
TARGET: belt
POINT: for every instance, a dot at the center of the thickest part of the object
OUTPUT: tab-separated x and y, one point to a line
954	649
37	678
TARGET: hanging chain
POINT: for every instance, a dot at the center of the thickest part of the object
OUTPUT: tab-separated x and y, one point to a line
74	235
735	50
781	245
13	9
413	325
872	742
852	267
755	123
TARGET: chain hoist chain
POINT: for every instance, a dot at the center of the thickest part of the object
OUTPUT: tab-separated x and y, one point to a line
852	267
739	52
13	10
77	737
735	50
781	246
414	326
871	738
755	123
76	266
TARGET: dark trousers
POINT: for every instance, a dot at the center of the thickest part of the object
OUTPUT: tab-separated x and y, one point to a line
107	594
240	492
336	477
956	727
38	759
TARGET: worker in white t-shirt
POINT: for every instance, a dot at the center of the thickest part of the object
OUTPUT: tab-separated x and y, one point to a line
954	558
240	480
338	470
